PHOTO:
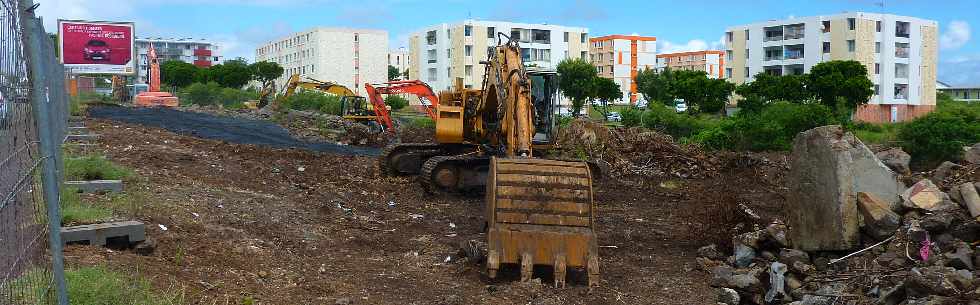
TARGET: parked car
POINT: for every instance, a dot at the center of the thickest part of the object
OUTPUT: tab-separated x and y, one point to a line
96	50
680	105
614	117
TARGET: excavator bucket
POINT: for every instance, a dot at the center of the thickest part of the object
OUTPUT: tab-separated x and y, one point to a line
541	212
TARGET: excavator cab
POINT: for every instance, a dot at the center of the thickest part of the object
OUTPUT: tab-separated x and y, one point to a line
544	96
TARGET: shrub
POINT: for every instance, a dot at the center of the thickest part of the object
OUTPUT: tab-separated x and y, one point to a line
313	100
632	117
236	98
95	168
422	122
396	102
941	135
201	94
773	128
679	125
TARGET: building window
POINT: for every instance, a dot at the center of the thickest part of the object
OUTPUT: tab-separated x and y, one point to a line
584	55
902	29
491	32
449	53
901	71
449	74
728	72
468	30
826	26
746	72
877	68
901	50
826	47
878	26
877	89
794	51
729	37
585	37
746	34
773	33
356	37
431	56
851	45
901	91
566	36
469	70
540	36
430	37
469	50
877	47
432	75
746	53
730	55
851	24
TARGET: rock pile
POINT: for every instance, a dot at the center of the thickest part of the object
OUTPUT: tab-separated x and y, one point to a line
916	245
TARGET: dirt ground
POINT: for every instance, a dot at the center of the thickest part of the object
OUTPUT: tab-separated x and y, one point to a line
291	226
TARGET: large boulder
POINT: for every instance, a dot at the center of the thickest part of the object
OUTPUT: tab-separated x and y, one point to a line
828	168
896	159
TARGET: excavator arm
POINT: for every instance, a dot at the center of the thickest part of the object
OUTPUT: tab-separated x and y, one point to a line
427	98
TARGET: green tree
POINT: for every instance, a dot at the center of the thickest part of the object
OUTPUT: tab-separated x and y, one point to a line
837	81
701	93
177	73
396	102
577	77
405	74
655	86
604	91
233	73
767	89
393	73
266	72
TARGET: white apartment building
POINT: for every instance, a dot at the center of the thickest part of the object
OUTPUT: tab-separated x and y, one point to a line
444	52
349	57
399	59
900	53
621	57
199	52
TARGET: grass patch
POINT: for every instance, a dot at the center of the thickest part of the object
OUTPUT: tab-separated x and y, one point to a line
74	211
881	134
92	286
422	122
95	168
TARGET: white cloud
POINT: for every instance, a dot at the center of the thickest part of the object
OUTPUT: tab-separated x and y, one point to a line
957	34
960	70
692	45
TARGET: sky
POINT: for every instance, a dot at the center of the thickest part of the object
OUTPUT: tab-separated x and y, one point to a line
238	26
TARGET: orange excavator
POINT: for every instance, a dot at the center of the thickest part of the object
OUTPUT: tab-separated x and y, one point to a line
427	98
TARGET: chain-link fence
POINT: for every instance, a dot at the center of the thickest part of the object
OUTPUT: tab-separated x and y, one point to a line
33	124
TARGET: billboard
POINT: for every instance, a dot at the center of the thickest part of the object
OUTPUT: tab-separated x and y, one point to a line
97	47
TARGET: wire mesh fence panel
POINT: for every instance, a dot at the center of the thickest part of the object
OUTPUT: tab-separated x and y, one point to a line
28	272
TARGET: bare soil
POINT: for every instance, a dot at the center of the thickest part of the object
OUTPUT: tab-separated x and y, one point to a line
293	226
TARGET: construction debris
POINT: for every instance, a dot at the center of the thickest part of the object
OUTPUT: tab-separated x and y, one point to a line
896	159
968	191
879	221
923	195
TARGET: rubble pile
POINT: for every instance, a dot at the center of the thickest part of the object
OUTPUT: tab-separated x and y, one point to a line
633	152
851	238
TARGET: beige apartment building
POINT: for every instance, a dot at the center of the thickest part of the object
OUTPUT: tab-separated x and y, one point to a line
621	57
711	62
900	53
350	57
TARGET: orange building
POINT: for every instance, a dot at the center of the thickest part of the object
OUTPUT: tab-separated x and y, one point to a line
709	61
620	57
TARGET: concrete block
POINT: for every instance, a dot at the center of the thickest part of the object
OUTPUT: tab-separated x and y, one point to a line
97	234
81	137
77	130
879	221
76	124
96	186
829	166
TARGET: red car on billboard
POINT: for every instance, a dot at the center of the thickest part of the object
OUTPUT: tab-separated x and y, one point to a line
97	46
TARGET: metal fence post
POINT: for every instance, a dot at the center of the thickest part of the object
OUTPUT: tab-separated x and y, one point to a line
33	33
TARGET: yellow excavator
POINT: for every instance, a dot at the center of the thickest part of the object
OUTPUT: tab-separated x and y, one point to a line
539	211
353	107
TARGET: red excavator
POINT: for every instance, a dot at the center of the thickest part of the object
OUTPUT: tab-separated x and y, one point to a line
427	98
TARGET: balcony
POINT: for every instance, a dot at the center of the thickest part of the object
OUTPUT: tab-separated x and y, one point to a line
794	52
202	52
795	31
773	53
902	50
773	34
202	63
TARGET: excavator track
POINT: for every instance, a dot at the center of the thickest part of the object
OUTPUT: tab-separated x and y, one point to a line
454	174
406	158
